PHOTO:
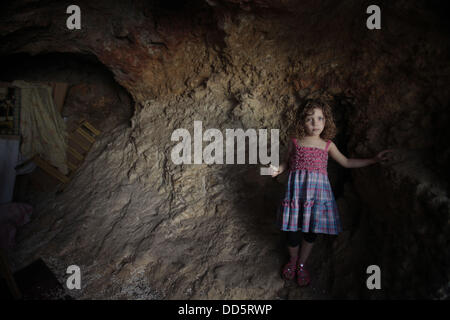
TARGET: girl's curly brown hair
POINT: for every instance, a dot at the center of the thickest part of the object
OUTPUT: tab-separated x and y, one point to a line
299	131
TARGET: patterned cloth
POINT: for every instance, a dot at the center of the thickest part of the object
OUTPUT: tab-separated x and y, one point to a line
10	111
309	204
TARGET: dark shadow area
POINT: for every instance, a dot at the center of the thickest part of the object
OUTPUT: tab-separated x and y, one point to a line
35	282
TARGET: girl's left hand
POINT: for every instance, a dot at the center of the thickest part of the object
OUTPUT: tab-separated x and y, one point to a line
382	156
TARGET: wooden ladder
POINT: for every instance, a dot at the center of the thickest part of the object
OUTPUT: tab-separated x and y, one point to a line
84	138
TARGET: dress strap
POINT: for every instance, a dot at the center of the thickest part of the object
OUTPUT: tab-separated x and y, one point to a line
295	141
328	144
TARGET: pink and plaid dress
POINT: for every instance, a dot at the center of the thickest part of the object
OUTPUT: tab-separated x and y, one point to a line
309	203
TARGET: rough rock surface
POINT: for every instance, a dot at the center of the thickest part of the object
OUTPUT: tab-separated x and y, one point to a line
141	227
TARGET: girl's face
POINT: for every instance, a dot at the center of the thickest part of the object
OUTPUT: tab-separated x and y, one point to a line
315	122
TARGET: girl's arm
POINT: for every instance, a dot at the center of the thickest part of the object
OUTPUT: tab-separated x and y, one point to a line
354	163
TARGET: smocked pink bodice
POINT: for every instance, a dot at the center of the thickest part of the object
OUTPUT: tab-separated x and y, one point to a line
309	158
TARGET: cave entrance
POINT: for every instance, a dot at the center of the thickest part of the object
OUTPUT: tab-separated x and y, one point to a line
86	99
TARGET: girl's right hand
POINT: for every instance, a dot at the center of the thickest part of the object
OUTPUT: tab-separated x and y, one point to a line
276	170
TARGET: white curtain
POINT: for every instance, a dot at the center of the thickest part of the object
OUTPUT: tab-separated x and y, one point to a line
42	128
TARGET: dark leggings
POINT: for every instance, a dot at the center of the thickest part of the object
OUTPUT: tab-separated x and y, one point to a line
293	237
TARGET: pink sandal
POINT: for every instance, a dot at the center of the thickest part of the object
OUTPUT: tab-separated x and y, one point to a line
288	272
302	276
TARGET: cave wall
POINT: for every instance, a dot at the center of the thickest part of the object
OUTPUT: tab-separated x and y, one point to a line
142	227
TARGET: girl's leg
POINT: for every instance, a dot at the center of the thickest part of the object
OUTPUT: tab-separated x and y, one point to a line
307	244
293	252
306	250
293	241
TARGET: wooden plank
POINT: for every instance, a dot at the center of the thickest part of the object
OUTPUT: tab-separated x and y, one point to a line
79	143
91	128
59	94
50	169
71	166
75	153
85	135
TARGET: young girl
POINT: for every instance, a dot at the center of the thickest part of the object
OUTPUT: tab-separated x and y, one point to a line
309	205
